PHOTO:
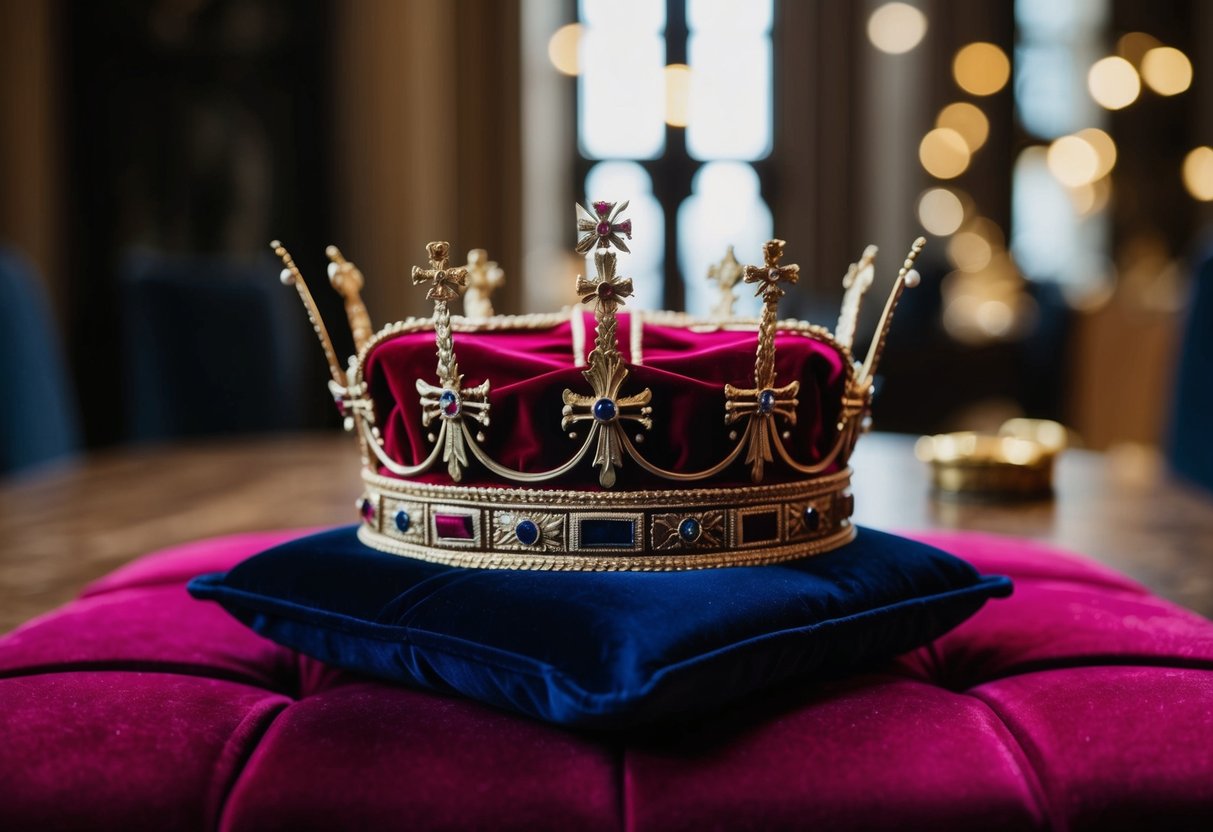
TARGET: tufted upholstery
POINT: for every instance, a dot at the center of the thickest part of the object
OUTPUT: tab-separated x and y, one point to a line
1080	703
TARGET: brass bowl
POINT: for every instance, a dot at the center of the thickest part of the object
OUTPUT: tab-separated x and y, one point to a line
981	466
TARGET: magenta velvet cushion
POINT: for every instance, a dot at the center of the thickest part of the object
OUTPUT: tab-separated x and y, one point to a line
1081	702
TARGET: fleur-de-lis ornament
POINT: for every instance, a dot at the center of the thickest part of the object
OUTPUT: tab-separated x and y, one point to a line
603	227
606	409
725	275
764	402
484	277
450	401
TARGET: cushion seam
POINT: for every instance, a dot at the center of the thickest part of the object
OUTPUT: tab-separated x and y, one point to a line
165	668
1027	763
238	770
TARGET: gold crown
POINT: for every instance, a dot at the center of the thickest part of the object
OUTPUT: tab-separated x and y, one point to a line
672	514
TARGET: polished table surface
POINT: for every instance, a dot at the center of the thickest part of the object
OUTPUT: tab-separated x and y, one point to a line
61	528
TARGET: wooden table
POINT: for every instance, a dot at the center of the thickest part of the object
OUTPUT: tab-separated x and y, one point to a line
63	528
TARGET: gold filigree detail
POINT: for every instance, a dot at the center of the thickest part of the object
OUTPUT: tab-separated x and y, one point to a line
797	525
710	530
549	526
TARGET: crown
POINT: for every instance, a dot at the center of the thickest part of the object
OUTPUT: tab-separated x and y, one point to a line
673	443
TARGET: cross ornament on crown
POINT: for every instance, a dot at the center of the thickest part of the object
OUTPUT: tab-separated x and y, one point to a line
759	406
450	401
606	410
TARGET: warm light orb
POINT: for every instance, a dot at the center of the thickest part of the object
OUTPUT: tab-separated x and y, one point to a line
896	28
1113	83
968	120
969	251
940	212
1104	147
1166	70
944	153
677	94
1198	173
1072	161
563	49
981	68
1133	46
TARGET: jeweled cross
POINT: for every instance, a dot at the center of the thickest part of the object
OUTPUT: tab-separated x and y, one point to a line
449	401
446	281
770	275
761	404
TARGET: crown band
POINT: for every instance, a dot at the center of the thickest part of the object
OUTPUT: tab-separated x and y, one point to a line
500	528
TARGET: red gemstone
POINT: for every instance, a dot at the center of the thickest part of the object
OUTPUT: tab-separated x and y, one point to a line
625	227
340	405
602	208
605	290
367	509
604	228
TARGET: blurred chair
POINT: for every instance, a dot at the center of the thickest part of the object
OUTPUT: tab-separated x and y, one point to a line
1190	444
211	347
38	421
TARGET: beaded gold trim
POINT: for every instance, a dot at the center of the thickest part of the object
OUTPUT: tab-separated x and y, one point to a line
488	522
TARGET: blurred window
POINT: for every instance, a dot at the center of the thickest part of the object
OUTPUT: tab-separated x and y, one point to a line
685	142
1060	184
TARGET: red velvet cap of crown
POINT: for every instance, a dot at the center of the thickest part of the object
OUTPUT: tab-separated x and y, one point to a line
686	370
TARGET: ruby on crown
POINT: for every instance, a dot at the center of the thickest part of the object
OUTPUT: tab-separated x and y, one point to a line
603	227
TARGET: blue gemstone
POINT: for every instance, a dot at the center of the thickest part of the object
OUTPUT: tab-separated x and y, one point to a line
812	518
448	403
402	521
527	532
689	530
605	410
766	401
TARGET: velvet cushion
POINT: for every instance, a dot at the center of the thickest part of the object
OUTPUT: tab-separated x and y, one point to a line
600	649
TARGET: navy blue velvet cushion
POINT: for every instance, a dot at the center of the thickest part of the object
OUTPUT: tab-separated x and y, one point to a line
600	649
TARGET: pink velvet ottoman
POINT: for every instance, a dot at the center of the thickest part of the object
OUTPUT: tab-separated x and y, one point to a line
1082	702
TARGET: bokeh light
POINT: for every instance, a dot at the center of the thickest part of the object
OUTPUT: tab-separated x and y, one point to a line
940	211
564	49
944	153
1198	173
1104	147
968	120
1113	83
969	251
1166	70
981	68
896	28
1133	46
1072	161
677	94
1092	197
